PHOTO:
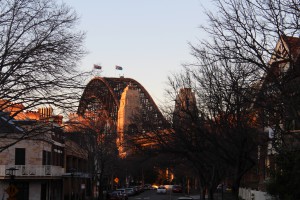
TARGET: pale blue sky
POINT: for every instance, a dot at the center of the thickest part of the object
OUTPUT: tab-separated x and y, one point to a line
148	38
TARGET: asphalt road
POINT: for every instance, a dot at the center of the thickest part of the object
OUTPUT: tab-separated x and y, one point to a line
152	195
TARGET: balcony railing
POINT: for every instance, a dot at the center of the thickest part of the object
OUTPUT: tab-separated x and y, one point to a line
33	170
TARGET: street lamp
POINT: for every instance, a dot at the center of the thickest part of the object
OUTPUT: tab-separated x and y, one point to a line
11	173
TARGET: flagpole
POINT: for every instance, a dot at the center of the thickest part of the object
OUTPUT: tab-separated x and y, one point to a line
117	67
97	69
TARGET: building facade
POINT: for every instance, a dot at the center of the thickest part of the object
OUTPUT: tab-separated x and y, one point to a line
280	97
37	160
34	165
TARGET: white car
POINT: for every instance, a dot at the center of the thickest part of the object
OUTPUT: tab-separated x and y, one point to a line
184	198
161	190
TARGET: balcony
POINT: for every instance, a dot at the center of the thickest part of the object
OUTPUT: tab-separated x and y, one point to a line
33	170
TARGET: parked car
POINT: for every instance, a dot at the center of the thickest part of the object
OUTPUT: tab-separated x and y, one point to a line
140	188
161	190
115	195
122	190
185	198
177	189
221	188
147	187
130	191
123	193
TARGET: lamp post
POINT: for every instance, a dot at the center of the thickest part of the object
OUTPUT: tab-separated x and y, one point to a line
72	171
97	174
11	173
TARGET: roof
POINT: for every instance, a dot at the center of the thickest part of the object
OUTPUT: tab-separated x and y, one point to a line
293	44
8	125
287	50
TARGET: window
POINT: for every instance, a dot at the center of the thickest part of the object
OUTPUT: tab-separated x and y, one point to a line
20	156
46	157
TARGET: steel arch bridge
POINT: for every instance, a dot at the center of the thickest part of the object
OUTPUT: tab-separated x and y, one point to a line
103	93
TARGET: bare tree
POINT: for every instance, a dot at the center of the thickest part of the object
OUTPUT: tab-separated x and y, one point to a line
218	138
246	32
39	52
184	141
96	134
233	69
228	73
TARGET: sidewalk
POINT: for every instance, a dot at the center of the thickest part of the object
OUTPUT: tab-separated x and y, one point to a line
217	196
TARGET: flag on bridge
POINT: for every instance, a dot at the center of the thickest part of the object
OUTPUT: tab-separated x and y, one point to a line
97	67
119	67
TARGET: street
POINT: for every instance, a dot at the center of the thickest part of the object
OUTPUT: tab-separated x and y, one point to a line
152	195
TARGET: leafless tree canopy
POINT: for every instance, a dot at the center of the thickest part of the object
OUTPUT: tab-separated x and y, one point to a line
39	51
227	76
246	31
97	136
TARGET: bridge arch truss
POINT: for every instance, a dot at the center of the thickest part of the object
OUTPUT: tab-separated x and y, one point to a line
104	94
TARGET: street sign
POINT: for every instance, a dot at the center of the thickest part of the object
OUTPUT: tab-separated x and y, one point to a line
116	180
11	191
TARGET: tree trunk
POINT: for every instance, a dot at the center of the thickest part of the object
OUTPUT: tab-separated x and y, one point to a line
203	193
100	191
235	188
211	194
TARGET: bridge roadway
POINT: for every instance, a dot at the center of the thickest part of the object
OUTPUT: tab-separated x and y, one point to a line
152	195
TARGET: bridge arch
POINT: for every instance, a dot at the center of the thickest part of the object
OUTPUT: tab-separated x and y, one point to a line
104	93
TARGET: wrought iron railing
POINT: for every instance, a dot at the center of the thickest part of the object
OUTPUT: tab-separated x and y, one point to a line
33	170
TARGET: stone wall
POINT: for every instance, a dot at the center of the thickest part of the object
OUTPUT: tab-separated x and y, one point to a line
33	152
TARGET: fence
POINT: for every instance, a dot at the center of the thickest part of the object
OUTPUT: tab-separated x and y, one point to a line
248	194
